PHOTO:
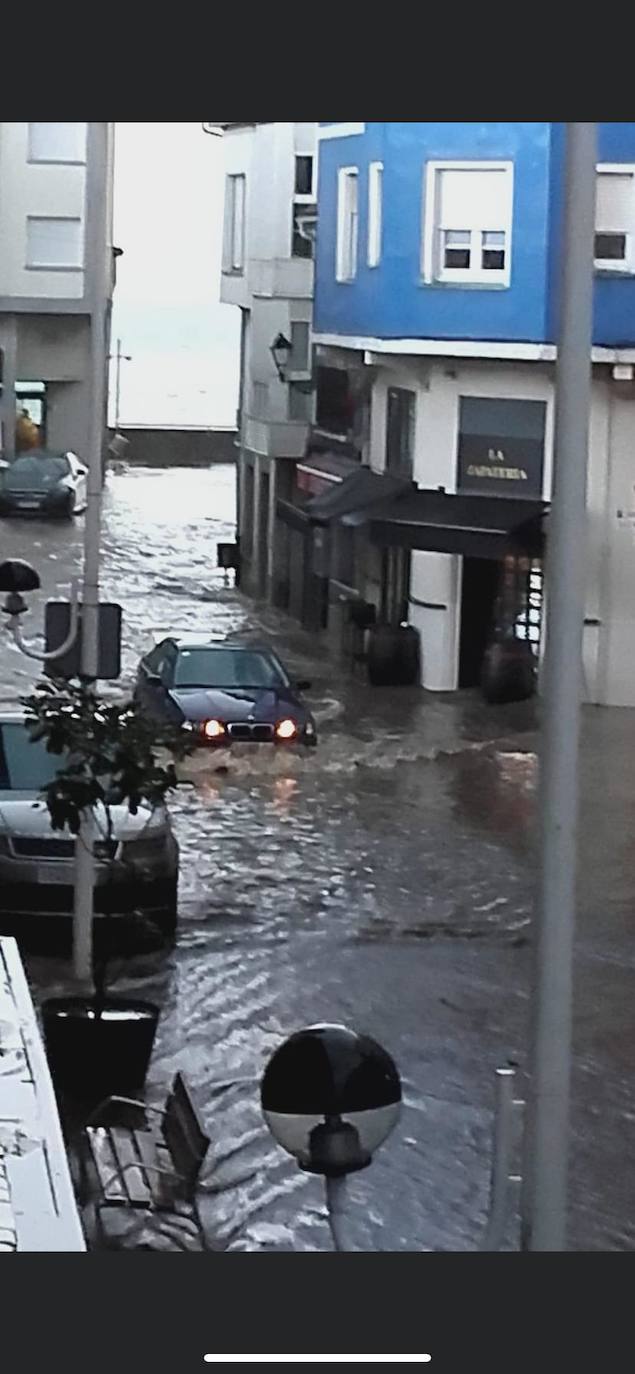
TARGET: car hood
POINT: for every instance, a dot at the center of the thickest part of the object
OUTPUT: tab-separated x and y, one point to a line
23	814
259	704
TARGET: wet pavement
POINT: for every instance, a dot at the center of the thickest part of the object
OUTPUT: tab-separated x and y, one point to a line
386	881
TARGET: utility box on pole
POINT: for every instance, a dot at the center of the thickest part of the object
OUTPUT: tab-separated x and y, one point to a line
57	622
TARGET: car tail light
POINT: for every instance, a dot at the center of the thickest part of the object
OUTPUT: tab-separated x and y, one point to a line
213	729
286	729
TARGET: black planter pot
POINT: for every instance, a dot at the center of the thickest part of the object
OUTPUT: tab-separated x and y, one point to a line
393	656
509	672
93	1054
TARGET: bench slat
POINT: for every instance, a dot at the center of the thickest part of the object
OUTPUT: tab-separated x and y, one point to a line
105	1162
165	1190
139	1188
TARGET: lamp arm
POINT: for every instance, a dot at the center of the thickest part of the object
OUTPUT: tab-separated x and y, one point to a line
46	657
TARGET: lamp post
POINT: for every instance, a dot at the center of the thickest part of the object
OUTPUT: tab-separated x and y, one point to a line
545	1193
119	358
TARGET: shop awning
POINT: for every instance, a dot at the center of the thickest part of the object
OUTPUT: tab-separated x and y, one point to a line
354	496
476	526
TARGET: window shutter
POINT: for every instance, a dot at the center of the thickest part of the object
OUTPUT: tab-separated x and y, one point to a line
614	202
476	199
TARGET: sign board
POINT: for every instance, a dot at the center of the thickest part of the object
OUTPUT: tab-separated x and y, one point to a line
57	620
501	447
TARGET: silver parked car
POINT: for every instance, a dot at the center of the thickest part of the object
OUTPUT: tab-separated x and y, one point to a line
137	869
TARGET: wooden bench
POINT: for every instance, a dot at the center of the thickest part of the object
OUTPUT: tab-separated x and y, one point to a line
145	1169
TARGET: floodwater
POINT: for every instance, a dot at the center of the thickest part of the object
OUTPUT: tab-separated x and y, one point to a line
385	881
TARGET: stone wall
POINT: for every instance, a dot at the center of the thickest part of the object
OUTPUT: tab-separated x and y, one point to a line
163	447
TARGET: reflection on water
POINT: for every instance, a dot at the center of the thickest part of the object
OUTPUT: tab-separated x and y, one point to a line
384	879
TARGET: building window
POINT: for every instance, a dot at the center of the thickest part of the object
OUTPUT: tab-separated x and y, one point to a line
501	446
614	219
54	243
300	402
467	223
375	197
299	360
400	430
347	222
303	231
57	143
304	175
234	240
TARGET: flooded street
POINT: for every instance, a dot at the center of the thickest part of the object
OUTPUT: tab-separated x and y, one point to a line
386	881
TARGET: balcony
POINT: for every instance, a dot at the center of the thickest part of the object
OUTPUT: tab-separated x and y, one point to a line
288	278
275	438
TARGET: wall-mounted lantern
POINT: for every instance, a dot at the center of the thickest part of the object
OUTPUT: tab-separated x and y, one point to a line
281	352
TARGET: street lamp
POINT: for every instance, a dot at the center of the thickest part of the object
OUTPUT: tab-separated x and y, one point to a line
281	352
330	1097
119	358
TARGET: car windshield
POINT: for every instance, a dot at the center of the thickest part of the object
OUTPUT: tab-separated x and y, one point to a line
25	764
227	668
35	470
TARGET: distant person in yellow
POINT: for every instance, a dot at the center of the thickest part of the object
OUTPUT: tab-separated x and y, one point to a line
27	434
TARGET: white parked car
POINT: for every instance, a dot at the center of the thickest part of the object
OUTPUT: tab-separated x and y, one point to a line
137	869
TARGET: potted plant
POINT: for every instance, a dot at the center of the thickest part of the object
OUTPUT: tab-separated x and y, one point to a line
110	755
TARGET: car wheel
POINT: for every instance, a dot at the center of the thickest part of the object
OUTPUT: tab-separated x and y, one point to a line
69	508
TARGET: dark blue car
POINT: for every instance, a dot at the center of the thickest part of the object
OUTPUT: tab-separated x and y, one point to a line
226	693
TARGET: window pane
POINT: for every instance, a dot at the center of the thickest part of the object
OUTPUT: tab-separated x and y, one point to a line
225	668
493	251
302	243
303	176
299	358
400	422
53	242
25	764
375	212
613	211
493	239
610	246
57	142
347	225
457	237
238	221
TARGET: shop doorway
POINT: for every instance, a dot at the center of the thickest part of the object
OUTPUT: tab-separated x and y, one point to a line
481	582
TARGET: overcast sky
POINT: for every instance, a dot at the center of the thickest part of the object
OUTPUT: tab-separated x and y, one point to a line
168	220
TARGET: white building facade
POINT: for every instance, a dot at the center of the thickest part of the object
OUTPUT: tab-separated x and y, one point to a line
56	268
267	271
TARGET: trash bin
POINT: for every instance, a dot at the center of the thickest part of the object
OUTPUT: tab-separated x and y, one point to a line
509	671
94	1052
393	656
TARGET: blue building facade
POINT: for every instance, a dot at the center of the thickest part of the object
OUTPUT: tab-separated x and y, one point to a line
399	298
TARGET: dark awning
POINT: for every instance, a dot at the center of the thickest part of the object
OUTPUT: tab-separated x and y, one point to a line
353	496
477	526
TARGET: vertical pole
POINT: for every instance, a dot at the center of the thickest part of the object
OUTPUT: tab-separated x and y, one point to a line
84	851
501	1160
546	1165
117	382
9	378
336	1192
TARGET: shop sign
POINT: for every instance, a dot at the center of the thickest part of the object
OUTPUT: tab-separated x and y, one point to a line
501	447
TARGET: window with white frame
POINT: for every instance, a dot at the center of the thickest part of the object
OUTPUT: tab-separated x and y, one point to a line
375	212
468	222
614	218
234	236
65	142
347	223
299	357
54	243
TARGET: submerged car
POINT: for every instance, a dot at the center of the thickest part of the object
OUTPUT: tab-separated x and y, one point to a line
226	693
41	482
137	868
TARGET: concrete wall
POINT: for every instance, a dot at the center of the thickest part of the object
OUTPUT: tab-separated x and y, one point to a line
28	188
187	448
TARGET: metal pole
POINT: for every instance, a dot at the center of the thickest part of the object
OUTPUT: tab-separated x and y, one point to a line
84	852
117	382
545	1196
336	1193
501	1160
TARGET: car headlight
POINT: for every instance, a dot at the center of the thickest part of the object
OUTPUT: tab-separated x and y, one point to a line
286	729
213	729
